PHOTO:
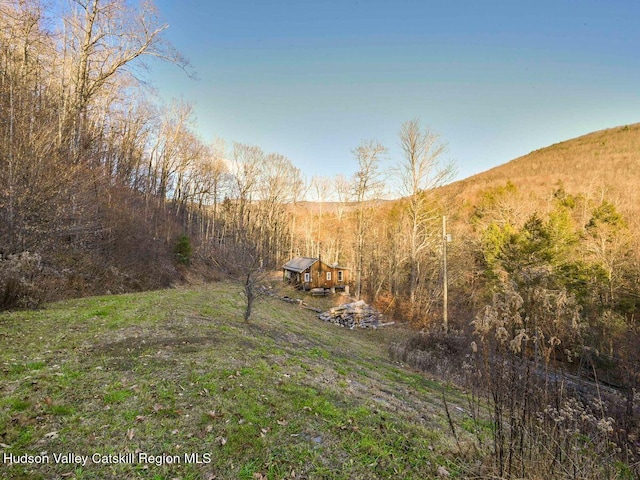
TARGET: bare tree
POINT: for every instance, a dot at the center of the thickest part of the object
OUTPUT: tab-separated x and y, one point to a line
342	188
28	183
280	185
169	151
420	171
320	187
240	260
246	164
100	40
209	181
368	184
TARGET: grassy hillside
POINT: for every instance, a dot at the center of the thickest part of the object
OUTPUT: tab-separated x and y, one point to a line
177	372
604	163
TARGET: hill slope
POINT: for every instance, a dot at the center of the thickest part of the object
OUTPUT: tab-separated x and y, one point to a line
604	163
177	372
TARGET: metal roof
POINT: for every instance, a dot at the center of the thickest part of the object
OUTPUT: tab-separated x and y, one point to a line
339	267
299	264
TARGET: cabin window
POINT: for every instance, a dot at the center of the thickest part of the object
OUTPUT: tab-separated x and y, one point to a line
328	276
340	276
307	277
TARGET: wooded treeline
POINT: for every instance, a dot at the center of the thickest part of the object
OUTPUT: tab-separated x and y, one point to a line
101	188
546	333
78	182
543	299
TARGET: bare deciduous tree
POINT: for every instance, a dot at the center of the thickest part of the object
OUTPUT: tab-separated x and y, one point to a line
368	185
420	171
100	40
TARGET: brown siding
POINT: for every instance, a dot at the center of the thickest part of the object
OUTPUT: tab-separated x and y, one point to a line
318	276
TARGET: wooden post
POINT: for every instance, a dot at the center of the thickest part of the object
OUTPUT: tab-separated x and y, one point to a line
445	320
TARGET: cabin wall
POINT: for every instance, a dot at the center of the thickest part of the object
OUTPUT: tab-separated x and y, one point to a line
321	275
324	276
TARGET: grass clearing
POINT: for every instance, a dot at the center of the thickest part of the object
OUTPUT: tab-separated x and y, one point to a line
173	384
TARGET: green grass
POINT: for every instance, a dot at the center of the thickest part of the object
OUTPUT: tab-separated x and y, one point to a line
178	372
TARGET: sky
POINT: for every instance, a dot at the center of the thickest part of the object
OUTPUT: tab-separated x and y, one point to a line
494	79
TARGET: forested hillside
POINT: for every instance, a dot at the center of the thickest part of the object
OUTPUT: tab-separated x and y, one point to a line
103	189
543	276
603	164
545	284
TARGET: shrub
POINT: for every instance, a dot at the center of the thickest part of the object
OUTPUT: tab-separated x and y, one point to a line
183	250
18	275
543	422
436	352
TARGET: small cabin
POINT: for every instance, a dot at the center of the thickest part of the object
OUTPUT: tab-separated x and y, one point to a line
308	273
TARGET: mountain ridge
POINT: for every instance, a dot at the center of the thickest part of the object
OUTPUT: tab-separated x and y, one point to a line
601	164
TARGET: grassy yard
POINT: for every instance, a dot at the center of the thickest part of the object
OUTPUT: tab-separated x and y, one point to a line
173	384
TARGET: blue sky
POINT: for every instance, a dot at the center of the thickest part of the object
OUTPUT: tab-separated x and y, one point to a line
495	79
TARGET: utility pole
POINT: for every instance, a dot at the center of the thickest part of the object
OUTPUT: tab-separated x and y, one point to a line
445	238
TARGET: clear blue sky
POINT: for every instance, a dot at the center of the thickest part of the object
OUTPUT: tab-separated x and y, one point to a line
496	79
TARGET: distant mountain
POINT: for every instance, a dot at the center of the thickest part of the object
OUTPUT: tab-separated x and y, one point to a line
602	164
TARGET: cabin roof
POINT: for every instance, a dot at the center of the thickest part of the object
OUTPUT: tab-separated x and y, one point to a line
299	264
